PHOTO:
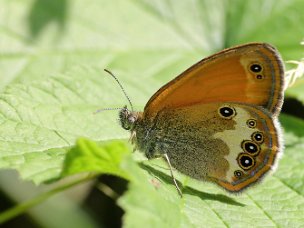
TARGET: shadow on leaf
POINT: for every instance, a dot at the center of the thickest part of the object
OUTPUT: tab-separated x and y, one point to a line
189	190
44	12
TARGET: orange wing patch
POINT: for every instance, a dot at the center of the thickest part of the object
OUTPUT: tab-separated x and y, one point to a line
251	73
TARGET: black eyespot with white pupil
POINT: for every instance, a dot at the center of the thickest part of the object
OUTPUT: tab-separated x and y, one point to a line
256	68
251	123
257	137
227	112
238	173
245	161
250	147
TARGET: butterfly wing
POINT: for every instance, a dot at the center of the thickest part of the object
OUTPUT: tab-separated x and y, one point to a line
231	144
254	147
251	73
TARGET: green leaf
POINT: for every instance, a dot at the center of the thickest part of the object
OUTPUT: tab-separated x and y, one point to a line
142	199
152	197
89	157
291	169
42	120
51	60
42	116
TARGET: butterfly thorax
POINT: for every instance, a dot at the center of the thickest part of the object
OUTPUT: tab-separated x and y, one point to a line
143	132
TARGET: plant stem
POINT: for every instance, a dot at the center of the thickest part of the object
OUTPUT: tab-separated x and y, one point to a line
21	208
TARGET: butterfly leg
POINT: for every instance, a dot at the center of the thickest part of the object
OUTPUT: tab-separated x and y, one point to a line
171	171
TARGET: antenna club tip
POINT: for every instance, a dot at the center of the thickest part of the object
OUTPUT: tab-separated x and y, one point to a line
109	72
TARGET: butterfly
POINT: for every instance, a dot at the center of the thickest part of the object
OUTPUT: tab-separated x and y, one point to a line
217	121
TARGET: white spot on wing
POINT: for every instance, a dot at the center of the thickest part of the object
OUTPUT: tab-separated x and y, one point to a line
233	139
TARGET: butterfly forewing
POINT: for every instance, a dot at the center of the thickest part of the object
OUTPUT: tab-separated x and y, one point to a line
251	73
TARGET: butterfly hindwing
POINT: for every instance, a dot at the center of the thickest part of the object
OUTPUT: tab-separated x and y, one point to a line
231	144
254	147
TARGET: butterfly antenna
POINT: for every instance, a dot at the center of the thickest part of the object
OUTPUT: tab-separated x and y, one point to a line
105	109
122	88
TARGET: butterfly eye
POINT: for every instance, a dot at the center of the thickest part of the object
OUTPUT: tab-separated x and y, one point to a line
227	112
250	147
245	161
238	173
132	119
251	123
256	68
257	137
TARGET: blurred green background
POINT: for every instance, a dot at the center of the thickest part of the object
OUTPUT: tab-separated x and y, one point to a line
52	56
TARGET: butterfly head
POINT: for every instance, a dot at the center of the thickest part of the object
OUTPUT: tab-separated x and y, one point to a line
127	118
